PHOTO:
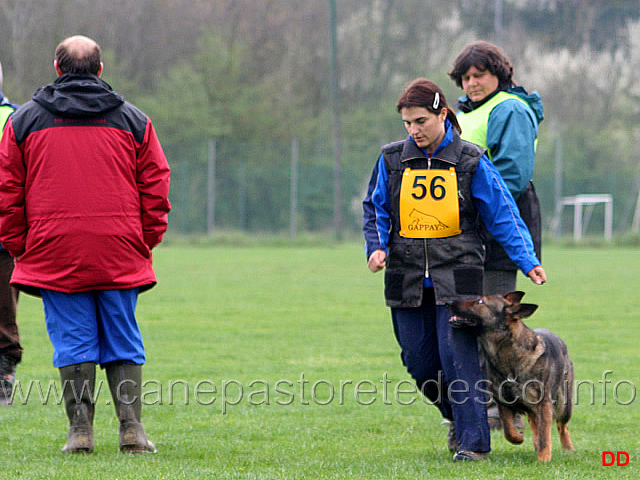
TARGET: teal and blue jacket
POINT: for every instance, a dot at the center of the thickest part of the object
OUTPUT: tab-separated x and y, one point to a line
512	131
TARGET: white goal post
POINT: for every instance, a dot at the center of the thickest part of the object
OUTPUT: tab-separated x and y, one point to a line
581	222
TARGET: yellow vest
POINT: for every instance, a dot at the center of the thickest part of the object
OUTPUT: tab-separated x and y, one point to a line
474	124
5	112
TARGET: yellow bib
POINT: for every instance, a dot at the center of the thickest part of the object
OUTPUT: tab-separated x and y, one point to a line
429	204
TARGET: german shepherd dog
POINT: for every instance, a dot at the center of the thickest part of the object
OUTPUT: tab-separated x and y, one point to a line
529	371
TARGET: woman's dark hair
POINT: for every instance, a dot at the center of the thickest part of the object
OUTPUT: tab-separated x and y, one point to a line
426	94
484	56
82	59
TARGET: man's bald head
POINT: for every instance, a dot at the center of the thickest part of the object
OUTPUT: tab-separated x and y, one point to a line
78	54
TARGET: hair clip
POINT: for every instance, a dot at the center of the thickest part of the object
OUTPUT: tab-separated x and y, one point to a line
436	101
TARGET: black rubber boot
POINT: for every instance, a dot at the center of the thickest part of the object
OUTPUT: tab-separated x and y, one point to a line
78	384
125	383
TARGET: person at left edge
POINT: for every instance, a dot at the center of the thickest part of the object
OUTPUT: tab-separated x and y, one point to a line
10	348
84	198
426	199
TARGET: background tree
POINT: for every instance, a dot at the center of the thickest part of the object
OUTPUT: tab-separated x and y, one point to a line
255	73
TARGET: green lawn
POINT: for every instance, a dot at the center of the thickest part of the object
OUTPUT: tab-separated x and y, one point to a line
280	363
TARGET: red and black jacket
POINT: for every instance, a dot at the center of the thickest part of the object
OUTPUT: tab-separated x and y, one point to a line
84	187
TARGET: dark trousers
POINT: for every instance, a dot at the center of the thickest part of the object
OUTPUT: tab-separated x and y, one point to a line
431	350
9	337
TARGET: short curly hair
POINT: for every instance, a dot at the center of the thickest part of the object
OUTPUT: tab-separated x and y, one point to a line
484	56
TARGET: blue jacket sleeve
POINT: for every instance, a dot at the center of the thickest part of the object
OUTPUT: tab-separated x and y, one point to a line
377	210
511	135
500	214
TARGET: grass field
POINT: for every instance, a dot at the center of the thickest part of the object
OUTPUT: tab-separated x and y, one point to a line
280	363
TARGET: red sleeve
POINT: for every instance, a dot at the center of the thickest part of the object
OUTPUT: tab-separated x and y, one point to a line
153	176
13	223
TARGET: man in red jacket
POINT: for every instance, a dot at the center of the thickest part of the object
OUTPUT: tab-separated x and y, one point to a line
84	188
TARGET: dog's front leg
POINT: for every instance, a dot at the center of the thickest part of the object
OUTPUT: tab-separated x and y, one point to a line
533	425
544	425
511	433
565	438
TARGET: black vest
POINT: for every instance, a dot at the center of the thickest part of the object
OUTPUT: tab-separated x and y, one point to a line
529	207
454	263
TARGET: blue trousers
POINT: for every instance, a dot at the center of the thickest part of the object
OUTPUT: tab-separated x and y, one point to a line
444	363
98	326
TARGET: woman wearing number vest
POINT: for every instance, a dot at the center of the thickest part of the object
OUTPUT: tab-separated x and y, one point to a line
427	200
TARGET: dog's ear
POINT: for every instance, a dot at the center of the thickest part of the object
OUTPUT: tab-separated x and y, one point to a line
514	297
521	310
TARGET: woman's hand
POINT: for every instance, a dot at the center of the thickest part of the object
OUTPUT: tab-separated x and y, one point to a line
537	275
377	260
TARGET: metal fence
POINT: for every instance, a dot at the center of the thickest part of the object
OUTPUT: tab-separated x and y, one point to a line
286	188
277	187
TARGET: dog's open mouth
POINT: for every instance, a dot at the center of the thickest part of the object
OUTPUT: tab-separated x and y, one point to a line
459	321
462	316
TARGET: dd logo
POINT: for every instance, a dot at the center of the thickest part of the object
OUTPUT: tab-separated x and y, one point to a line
620	459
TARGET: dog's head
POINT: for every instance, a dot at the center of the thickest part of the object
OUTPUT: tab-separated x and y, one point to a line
493	312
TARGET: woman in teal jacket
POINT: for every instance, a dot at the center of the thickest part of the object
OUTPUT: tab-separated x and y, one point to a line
503	119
